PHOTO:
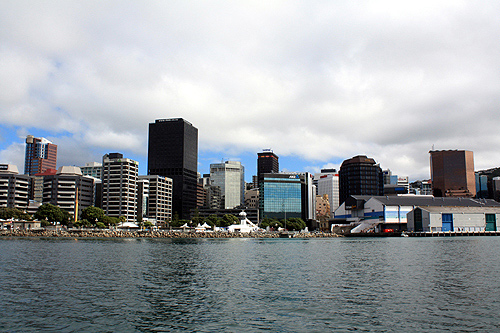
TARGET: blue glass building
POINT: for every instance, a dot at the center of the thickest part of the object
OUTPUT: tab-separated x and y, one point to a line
287	195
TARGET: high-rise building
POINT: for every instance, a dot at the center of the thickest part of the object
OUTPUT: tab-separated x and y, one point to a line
14	188
287	195
452	173
119	186
173	153
230	177
360	175
158	203
41	154
93	169
267	162
68	190
327	182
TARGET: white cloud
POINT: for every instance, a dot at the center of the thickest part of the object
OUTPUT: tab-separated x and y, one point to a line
320	80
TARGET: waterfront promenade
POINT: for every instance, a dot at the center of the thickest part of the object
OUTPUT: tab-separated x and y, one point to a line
92	233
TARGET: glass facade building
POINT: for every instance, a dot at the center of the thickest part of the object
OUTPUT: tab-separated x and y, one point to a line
230	178
287	195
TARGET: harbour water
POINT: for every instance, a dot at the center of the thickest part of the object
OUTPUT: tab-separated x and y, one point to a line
250	285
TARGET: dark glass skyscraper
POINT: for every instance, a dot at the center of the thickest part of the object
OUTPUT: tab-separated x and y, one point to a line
267	162
360	175
173	153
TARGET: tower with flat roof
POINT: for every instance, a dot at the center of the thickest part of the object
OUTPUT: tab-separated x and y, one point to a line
452	173
173	153
41	154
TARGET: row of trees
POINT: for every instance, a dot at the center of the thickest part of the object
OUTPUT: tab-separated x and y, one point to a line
48	214
95	217
293	223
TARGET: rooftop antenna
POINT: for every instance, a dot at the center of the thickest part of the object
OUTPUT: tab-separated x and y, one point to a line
432	147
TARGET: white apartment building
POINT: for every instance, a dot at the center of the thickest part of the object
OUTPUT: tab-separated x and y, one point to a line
158	203
93	169
68	189
327	182
13	187
119	186
230	177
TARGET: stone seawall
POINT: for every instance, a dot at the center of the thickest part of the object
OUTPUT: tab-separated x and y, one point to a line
151	234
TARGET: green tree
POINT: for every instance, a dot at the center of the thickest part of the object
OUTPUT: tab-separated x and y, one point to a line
294	223
110	221
50	213
148	224
272	223
93	214
227	220
9	213
196	217
100	225
212	220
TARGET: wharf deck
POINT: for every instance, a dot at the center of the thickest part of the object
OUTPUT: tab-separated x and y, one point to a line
452	233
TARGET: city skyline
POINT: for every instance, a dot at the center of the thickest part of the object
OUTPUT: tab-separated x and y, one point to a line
317	82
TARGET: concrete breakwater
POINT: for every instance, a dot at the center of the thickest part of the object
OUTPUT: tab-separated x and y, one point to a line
151	234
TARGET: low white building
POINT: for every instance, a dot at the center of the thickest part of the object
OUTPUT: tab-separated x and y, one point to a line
446	218
245	225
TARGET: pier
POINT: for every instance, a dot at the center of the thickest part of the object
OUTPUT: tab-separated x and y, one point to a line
452	233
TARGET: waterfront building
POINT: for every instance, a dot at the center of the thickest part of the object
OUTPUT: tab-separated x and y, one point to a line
287	195
360	175
454	219
119	186
68	189
14	188
230	178
452	173
41	154
327	182
93	169
156	199
390	212
173	153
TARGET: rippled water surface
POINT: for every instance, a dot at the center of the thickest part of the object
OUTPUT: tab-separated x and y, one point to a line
248	285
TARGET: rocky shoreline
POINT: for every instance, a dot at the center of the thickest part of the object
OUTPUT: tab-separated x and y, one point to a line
153	234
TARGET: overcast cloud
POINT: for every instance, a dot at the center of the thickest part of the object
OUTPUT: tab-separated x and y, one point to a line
319	80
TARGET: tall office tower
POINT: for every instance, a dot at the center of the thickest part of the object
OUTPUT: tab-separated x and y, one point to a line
119	186
360	175
452	173
68	190
158	203
41	154
286	195
230	177
327	182
14	188
93	169
173	153
267	162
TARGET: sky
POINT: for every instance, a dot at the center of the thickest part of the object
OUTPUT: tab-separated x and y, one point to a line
316	81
